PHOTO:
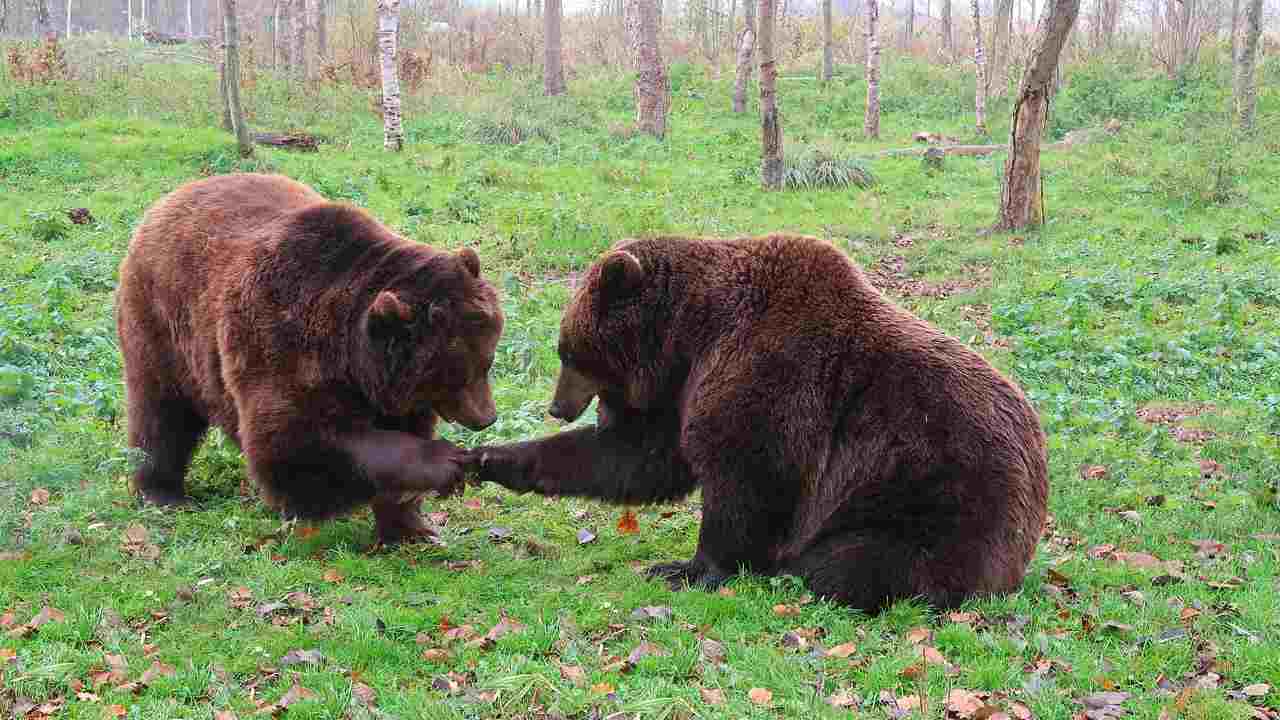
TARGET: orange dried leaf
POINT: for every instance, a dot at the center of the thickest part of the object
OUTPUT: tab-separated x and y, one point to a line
628	524
760	696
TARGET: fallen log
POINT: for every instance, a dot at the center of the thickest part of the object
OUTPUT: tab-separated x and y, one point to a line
296	141
1073	138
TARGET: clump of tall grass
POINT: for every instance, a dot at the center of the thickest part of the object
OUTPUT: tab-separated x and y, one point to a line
815	169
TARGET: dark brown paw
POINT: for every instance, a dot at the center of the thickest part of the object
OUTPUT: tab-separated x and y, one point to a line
503	466
164	498
406	535
679	575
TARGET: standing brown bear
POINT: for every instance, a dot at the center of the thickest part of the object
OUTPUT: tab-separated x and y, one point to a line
835	436
322	343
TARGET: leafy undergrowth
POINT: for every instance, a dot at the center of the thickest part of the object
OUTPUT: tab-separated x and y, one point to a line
1143	320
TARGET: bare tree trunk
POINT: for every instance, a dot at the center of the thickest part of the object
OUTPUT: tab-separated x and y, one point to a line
191	28
231	33
871	122
826	41
145	25
322	28
280	33
770	129
947	47
388	26
553	65
980	65
42	23
69	18
1021	204
908	27
1246	90
746	56
631	31
1235	28
731	30
129	12
299	52
998	62
653	89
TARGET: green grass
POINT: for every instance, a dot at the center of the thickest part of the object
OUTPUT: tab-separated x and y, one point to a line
1156	282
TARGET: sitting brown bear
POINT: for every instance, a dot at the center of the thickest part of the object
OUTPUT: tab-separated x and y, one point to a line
322	343
835	436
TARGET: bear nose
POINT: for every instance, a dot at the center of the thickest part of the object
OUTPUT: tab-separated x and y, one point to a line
557	411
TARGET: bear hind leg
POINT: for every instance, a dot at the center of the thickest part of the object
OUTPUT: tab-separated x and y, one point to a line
167	431
869	572
398	519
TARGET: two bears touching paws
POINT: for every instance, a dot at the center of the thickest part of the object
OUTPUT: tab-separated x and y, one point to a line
833	435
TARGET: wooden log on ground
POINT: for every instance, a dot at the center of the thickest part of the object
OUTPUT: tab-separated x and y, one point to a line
296	141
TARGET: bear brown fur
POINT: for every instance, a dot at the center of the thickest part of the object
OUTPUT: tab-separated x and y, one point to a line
323	344
835	436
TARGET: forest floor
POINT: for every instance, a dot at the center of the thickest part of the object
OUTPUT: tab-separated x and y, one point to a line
1143	320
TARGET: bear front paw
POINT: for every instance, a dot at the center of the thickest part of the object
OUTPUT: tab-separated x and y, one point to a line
505	467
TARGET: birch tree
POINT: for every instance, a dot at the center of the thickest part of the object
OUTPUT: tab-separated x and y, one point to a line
947	48
1020	201
231	46
1246	90
770	130
997	83
299	52
388	26
746	56
871	121
980	65
653	88
826	41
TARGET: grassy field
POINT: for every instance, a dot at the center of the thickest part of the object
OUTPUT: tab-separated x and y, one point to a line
1143	321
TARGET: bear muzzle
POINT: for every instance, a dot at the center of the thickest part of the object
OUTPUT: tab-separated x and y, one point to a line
471	406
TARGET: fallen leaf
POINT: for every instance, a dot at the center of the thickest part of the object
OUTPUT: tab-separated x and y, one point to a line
499	534
1093	472
1206	549
39	496
794	640
462	632
268	609
332	576
963	703
157	670
473	503
301	657
760	696
363	694
1112	626
713	651
306	532
1135	597
435	655
912	672
586	579
844	699
8	620
1020	711
116	711
8	655
628	524
1132	516
574	674
963	618
450	683
918	635
1097	552
786	610
726	592
1257	690
46	615
1188	613
586	536
712	696
602	689
505	626
296	694
1100	700
843	650
646	649
652	612
482	697
240	598
932	656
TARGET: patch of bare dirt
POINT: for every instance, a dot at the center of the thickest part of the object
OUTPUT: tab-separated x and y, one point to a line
980	316
1173	416
890	275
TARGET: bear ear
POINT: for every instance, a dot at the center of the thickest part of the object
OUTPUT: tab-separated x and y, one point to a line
470	260
620	274
389	308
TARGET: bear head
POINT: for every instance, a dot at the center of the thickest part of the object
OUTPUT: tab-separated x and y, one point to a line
612	341
428	340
